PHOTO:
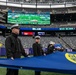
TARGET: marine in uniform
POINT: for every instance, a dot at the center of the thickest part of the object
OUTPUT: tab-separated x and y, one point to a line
37	50
14	48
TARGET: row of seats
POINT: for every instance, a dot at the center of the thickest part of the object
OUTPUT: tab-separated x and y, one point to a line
4	9
67	42
41	1
27	41
53	25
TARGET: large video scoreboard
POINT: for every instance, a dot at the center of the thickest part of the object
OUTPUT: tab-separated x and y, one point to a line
28	18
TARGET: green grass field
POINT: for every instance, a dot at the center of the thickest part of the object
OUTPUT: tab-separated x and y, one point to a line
29	72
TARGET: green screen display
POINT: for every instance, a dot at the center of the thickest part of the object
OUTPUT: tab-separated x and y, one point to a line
29	18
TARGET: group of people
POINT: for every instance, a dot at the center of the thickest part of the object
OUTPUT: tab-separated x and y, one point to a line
14	48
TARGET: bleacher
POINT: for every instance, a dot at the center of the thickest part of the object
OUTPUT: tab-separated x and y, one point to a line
41	1
71	41
27	41
54	25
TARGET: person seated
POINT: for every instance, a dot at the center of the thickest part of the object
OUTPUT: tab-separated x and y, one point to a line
50	48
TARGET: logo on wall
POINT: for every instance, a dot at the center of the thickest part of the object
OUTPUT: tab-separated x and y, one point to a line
71	57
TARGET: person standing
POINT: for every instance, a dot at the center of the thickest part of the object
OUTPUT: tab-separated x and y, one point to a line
14	48
37	50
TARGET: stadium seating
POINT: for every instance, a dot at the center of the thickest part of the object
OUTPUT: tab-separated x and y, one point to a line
54	25
27	41
71	41
41	1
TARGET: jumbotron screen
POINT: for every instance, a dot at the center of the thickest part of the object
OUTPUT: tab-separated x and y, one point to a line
28	18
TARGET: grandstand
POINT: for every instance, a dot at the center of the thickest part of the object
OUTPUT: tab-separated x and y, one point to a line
70	40
61	30
41	1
